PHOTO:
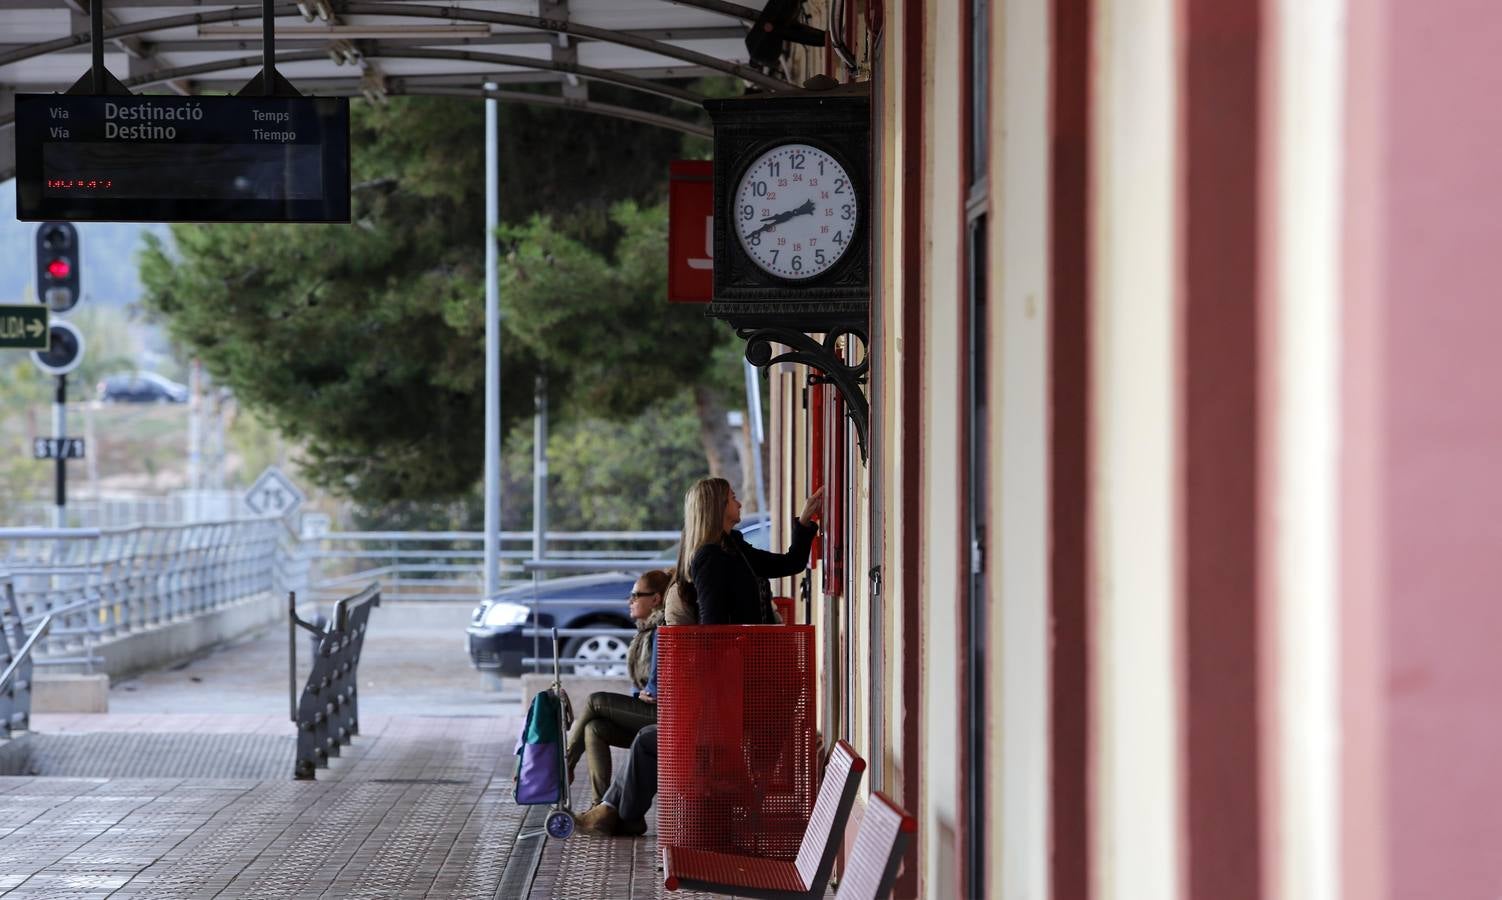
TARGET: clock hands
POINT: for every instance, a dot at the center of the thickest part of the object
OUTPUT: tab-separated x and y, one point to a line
807	209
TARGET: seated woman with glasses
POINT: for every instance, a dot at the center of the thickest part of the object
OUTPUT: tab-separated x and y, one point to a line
612	720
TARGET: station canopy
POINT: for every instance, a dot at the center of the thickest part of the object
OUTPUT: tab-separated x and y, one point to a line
381	48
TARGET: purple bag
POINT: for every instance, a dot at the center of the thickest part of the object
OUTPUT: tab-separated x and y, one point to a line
539	752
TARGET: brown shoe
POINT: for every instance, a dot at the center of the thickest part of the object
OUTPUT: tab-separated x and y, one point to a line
599	819
628	828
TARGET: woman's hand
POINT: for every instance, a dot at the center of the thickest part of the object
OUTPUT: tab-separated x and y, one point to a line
643	695
813	508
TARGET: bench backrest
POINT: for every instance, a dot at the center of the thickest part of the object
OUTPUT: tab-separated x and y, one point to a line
882	837
826	827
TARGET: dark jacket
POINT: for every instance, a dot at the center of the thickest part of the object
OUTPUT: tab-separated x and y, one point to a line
728	577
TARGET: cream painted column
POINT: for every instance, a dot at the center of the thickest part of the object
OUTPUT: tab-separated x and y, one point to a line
1018	720
1135	671
1305	114
943	390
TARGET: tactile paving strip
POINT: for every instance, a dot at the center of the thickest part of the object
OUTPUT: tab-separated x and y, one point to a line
415	810
137	755
587	867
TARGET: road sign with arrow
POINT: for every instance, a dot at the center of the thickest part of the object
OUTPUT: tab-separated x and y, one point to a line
24	327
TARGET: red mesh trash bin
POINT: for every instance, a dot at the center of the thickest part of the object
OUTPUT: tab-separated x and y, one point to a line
785	609
737	755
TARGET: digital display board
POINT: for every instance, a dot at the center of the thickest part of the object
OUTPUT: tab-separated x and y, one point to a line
182	159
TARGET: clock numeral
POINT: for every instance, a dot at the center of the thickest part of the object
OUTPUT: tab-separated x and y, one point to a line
818	257
798	177
796	162
774	256
756	239
821	167
839	185
797	264
775	168
849	212
747	212
783	182
759	188
839	237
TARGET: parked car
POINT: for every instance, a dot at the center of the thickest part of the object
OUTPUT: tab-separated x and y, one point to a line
141	387
497	639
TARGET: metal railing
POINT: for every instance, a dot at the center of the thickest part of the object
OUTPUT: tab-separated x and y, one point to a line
102	583
537	632
15	681
328	714
449	565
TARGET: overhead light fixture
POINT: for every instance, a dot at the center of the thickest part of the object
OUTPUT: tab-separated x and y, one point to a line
315	9
347	32
341	52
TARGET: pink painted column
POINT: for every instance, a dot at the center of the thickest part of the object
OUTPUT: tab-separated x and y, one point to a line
1421	567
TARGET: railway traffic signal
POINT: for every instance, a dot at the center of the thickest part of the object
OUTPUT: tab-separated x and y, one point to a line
57	265
65	351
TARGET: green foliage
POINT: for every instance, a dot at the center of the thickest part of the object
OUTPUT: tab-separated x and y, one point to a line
603	475
364	345
613	475
340	341
602	318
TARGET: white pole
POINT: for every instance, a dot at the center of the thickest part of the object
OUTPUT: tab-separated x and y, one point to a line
492	360
195	441
758	437
540	470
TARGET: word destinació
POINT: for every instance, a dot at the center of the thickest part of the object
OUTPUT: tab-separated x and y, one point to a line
146	114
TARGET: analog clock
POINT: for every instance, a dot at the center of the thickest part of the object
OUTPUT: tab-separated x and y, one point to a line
795	211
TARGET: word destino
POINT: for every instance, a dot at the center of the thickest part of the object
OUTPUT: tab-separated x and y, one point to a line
152	112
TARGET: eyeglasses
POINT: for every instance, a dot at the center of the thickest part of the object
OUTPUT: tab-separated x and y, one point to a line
637	595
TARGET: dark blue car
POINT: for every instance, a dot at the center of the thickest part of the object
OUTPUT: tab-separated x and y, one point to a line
497	642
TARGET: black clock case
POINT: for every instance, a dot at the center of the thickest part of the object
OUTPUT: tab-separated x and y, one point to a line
837	121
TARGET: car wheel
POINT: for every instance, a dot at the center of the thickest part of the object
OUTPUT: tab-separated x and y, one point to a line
605	655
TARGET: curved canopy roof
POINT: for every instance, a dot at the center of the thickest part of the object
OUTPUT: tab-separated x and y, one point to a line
380	47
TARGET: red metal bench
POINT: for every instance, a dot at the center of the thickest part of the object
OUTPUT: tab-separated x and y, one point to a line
880	840
737	757
751	876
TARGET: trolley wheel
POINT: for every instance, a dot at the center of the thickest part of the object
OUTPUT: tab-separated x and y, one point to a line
560	825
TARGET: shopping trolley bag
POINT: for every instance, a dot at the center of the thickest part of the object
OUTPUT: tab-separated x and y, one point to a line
539	750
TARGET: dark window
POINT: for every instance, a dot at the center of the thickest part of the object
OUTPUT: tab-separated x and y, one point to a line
977	472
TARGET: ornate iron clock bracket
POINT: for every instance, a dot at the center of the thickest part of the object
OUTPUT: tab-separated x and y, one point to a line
822	356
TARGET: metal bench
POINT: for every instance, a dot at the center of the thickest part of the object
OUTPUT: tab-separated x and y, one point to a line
881	838
750	876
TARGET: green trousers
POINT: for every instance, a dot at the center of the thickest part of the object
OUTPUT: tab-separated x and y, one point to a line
607	720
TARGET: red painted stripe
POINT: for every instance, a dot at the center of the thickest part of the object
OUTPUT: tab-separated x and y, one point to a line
1220	79
1069	440
912	430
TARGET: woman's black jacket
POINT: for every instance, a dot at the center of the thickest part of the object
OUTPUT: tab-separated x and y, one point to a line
728	576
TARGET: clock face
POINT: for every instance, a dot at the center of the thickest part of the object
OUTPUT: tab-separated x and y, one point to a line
795	211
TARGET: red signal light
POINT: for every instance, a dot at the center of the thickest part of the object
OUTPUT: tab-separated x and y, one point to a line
58	269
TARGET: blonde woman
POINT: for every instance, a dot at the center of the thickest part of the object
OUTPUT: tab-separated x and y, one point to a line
720	579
